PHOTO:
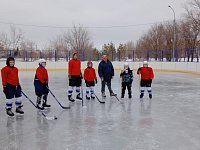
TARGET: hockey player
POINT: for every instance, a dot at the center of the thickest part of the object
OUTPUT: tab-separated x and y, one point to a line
147	76
90	80
11	87
127	79
41	85
75	77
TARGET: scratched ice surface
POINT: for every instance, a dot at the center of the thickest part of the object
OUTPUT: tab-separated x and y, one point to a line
170	121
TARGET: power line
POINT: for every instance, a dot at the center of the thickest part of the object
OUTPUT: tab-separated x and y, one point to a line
92	27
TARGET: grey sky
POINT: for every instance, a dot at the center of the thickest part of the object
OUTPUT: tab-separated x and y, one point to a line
90	13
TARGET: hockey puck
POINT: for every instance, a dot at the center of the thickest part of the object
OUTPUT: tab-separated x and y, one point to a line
55	118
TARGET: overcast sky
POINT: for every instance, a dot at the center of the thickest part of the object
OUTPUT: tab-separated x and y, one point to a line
89	13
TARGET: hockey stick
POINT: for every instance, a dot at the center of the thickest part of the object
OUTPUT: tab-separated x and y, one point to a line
82	96
45	116
118	99
63	107
102	102
114	95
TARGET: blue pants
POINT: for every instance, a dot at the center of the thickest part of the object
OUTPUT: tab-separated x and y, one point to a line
40	89
13	91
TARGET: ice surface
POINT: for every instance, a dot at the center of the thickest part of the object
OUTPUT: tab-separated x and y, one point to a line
170	121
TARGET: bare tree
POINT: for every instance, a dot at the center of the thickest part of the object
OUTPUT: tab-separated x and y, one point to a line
28	50
79	40
16	36
61	47
192	22
130	50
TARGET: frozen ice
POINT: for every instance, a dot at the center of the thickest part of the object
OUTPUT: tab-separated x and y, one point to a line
170	121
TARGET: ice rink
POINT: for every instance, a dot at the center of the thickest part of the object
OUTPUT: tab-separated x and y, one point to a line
170	121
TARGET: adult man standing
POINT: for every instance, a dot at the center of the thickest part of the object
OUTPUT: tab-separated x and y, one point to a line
106	73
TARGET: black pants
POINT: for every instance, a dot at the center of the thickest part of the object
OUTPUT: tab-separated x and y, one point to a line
103	85
75	81
124	85
146	83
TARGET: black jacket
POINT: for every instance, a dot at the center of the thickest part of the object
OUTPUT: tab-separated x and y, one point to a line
127	77
106	70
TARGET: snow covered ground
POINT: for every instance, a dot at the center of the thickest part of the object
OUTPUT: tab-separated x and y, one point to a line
170	121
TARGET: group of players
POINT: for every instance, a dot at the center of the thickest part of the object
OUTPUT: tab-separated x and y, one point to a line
13	90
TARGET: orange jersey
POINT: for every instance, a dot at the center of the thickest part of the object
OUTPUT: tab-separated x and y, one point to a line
146	73
74	67
90	74
10	76
42	74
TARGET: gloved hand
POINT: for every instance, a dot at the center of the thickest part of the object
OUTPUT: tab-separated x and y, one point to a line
96	81
102	79
46	82
69	76
5	90
81	76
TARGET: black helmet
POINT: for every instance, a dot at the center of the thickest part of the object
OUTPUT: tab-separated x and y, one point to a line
8	60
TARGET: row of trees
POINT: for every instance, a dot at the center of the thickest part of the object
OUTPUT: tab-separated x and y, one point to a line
156	43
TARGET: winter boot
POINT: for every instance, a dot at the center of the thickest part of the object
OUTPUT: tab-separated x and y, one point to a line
113	94
103	94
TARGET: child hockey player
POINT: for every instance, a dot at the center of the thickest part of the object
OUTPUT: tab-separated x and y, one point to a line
127	79
147	76
11	87
75	77
41	85
90	80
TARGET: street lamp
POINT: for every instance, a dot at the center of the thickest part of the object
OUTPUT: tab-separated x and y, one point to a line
174	42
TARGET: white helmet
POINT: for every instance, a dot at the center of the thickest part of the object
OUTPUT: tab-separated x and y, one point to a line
145	63
126	64
42	61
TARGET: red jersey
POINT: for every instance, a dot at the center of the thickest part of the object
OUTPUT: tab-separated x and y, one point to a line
89	74
74	67
10	76
146	73
42	75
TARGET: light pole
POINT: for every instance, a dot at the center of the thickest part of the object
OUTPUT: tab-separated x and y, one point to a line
174	41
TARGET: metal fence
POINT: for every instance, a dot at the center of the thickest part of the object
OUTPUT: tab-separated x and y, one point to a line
185	55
